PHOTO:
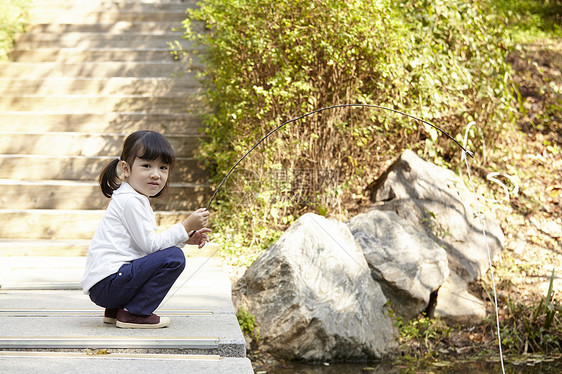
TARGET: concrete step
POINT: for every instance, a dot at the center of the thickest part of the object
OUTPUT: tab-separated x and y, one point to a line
93	69
59	167
21	273
82	144
92	122
96	16
99	40
64	224
74	38
21	257
75	195
123	87
72	55
42	248
95	103
85	363
189	344
121	27
57	258
22	277
126	2
64	7
192	334
192	290
64	3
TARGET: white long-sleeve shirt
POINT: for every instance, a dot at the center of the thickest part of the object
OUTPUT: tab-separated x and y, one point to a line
126	232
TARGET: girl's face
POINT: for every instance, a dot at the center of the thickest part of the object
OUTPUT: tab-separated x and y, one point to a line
145	176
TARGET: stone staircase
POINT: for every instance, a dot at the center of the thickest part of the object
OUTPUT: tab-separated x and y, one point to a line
85	75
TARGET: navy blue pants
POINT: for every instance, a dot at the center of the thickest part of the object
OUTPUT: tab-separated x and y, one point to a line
141	285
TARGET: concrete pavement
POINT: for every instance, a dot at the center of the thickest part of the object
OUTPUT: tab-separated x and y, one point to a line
46	321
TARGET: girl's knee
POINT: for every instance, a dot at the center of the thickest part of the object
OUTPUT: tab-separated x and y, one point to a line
176	256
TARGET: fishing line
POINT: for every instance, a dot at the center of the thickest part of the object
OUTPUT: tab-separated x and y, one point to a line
465	151
482	225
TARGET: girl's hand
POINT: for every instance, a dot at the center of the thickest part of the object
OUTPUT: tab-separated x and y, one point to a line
199	238
196	220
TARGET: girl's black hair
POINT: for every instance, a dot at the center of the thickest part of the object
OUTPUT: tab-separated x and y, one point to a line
148	145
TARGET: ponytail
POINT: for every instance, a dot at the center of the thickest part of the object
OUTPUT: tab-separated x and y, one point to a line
109	179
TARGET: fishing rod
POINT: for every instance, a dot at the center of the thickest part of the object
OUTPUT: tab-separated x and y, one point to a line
470	153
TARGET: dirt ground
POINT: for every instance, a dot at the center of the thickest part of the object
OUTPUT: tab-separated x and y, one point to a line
532	218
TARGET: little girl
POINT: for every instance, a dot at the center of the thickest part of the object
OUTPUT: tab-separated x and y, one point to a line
130	268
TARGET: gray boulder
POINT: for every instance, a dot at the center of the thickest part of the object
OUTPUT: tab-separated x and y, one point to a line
456	229
314	298
434	200
407	264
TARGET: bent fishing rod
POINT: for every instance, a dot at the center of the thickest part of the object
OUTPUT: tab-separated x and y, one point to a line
470	153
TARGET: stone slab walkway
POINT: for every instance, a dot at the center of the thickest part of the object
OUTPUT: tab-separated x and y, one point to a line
56	363
46	320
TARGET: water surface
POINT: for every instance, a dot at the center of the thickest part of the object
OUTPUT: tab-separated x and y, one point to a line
523	365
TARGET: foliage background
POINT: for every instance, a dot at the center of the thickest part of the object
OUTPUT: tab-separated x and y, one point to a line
531	20
13	15
267	61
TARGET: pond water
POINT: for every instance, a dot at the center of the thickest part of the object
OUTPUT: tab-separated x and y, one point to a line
518	365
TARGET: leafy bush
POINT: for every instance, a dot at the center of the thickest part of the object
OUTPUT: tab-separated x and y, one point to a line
531	19
268	61
13	16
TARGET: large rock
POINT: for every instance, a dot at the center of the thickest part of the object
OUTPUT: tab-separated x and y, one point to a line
314	298
433	199
430	197
407	264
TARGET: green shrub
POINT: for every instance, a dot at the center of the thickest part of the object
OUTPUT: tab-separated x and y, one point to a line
531	19
269	61
247	322
13	16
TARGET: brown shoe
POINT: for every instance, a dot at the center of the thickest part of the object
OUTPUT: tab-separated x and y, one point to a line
126	320
110	316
